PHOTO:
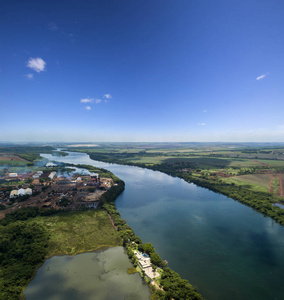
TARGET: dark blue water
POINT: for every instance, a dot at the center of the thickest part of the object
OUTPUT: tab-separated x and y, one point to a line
225	248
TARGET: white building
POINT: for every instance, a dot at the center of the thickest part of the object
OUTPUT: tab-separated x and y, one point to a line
13	194
51	175
21	192
13	174
28	191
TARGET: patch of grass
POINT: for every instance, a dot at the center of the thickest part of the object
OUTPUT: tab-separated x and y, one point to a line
132	270
75	232
13	163
257	182
243	163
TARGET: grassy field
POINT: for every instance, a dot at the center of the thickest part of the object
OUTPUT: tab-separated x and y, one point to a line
13	162
243	163
77	231
258	182
272	163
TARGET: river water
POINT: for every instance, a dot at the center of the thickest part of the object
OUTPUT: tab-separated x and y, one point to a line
225	248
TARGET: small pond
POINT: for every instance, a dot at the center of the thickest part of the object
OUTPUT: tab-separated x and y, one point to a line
100	275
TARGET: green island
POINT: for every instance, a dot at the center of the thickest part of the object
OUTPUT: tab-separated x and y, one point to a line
31	231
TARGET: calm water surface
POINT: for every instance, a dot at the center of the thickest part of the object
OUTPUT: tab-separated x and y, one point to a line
96	275
225	248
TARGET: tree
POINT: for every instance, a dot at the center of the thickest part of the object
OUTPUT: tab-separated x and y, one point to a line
148	248
156	259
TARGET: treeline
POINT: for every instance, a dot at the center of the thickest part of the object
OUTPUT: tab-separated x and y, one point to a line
112	193
29	153
259	201
23	245
173	287
25	213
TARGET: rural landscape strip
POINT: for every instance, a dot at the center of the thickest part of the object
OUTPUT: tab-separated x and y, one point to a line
258	200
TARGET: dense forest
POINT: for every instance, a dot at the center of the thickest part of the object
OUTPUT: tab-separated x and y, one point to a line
23	246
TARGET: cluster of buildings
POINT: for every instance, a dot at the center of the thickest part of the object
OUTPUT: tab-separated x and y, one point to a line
52	189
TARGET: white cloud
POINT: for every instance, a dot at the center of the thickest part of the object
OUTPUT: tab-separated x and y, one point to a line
88	107
36	64
261	76
98	101
201	124
29	76
107	96
87	100
205	110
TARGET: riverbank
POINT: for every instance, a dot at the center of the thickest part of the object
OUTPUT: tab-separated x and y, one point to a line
169	283
258	200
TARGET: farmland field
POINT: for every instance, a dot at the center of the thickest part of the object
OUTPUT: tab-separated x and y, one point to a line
244	163
258	182
272	163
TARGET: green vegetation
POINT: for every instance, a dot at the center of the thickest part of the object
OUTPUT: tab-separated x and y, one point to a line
22	247
28	153
79	231
132	270
27	237
259	182
59	153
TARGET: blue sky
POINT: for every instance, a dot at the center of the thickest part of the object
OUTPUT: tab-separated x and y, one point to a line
151	70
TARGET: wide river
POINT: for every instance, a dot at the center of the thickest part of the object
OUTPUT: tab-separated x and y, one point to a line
226	249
